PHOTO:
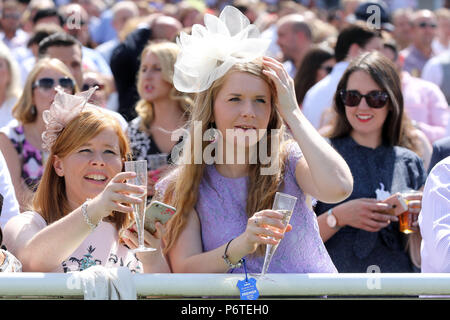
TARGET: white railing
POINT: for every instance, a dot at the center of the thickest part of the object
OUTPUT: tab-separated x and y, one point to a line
224	285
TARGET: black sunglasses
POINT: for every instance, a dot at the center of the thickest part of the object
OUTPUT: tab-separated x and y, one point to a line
423	25
375	99
87	86
49	83
327	69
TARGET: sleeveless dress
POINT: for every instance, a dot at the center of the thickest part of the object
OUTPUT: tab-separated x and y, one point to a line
101	247
221	210
32	159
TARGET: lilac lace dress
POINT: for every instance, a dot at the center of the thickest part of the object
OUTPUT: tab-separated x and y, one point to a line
221	210
32	159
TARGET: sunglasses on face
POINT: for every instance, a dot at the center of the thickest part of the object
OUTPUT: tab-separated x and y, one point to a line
327	69
49	83
375	99
87	86
423	25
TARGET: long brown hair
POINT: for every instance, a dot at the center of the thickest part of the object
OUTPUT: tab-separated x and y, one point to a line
182	190
50	199
397	126
306	75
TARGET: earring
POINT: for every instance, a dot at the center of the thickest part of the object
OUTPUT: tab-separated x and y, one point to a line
33	110
212	132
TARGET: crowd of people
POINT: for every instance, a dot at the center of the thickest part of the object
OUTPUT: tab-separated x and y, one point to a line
333	102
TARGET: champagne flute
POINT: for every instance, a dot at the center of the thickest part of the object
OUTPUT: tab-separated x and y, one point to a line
140	168
284	204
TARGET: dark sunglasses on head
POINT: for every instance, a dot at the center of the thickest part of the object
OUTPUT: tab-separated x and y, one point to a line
375	99
87	86
423	25
49	83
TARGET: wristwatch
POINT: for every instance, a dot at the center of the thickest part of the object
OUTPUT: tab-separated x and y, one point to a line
331	219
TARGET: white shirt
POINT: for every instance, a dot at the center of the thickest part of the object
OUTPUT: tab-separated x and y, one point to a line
432	71
10	205
438	47
434	219
320	96
290	68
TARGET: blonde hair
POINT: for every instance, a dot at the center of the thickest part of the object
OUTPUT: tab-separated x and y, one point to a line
22	110
167	53
182	192
14	88
50	199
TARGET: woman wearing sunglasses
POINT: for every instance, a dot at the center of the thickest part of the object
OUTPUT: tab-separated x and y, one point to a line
372	134
316	65
82	208
96	79
21	143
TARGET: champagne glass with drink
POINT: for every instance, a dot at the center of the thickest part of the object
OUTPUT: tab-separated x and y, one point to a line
140	168
284	204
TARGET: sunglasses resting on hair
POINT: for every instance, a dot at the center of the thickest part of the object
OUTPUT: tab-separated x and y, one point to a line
49	83
375	99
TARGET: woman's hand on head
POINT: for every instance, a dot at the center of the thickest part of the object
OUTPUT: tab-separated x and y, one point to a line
117	196
366	214
287	101
265	227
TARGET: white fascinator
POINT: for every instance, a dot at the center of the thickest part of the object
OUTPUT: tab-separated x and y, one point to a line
64	108
211	50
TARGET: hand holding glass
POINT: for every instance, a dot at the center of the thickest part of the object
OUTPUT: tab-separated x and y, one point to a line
408	219
284	204
140	168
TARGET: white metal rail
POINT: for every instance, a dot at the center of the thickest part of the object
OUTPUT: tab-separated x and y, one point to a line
224	285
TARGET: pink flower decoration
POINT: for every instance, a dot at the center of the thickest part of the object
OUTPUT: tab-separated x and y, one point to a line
64	108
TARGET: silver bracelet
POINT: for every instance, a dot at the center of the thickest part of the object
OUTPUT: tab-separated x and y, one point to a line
86	217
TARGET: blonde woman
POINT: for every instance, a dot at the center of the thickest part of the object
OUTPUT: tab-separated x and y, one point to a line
161	109
65	230
224	206
10	88
21	142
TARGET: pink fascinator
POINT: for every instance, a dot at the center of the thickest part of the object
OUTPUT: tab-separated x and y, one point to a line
64	108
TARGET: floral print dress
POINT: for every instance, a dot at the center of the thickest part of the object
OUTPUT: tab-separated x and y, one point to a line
32	159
